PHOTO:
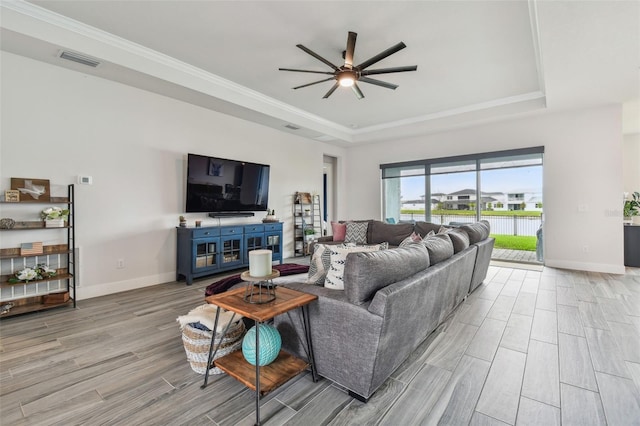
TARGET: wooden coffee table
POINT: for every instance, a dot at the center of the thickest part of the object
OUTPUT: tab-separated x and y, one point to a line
285	366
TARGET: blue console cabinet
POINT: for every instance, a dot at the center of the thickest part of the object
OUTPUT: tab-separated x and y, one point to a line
212	249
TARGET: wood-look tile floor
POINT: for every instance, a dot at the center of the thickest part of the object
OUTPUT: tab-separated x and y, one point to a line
526	348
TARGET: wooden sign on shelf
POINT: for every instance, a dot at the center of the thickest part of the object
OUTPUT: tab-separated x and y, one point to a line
32	189
28	249
12	196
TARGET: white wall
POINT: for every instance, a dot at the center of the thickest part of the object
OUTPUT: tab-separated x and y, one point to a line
631	164
582	168
58	124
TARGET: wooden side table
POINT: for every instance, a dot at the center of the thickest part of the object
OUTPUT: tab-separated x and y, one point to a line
286	366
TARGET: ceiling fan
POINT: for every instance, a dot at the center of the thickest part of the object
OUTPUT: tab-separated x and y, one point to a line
348	74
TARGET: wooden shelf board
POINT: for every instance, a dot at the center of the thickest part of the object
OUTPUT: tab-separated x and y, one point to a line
6	284
14	253
51	200
34	307
284	368
24	225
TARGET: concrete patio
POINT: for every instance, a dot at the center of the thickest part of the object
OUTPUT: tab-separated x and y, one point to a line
519	256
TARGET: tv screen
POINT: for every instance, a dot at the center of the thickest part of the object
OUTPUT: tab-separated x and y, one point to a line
220	185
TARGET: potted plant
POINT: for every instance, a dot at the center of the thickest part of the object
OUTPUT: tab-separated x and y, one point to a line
631	207
309	233
54	217
183	221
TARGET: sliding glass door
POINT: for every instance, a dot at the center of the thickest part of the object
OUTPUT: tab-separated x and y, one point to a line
504	188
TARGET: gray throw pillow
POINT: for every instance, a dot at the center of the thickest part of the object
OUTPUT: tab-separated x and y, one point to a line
356	232
439	247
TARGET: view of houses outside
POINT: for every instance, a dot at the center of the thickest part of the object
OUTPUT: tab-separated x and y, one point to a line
510	199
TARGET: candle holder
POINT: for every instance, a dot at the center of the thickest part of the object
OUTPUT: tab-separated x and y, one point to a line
260	290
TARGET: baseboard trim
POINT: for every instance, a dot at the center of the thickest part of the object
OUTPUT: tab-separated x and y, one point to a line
88	292
582	266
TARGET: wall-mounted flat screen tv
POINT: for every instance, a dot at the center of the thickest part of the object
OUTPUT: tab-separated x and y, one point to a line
219	185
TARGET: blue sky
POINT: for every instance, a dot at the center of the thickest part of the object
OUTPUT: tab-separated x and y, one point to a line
521	179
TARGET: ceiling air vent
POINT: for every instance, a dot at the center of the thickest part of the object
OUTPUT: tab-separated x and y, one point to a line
292	127
81	59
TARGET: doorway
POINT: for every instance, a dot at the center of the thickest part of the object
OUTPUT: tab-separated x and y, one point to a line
329	191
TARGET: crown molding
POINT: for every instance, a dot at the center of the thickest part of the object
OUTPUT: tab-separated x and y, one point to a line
39	23
234	92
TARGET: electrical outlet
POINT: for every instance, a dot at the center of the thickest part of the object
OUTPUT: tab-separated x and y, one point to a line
120	264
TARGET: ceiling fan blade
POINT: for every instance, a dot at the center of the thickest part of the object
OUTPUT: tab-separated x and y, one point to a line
390	70
318	57
357	91
315	72
315	82
351	47
333	89
378	83
380	56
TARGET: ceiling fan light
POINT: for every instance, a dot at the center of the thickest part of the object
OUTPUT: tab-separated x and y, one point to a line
346	81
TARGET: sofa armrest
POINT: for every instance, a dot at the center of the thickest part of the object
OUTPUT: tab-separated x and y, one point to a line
345	337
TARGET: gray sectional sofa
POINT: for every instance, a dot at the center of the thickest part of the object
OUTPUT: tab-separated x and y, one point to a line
392	300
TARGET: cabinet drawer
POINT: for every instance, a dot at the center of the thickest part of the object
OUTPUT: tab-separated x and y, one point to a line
231	230
206	232
273	227
250	229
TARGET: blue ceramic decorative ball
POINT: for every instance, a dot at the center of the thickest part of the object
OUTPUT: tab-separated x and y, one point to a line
270	343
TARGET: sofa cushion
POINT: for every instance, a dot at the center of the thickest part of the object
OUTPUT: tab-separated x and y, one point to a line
477	231
356	232
411	239
335	273
423	228
459	238
439	247
338	230
392	233
367	272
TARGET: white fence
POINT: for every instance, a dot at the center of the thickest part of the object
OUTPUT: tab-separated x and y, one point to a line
500	225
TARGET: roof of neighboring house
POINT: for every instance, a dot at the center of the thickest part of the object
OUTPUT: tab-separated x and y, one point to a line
463	192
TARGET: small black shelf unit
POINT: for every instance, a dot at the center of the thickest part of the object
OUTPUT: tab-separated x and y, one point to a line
307	222
53	292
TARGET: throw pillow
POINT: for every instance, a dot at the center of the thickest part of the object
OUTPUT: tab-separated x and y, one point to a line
335	273
439	247
319	264
356	232
338	230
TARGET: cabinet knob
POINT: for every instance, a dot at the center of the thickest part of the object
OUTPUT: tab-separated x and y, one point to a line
206	233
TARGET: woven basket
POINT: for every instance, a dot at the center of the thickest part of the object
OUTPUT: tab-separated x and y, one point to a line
196	345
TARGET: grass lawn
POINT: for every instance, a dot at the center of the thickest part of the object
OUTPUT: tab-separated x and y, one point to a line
515	242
